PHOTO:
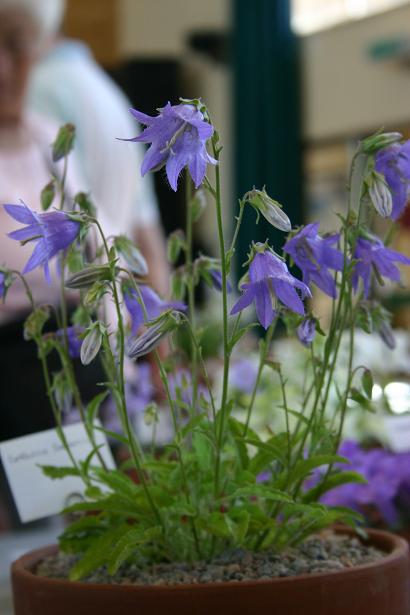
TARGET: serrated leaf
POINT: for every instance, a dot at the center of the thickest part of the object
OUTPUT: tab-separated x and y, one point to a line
57	472
260	491
332	481
98	554
93	406
239	335
304	467
128	543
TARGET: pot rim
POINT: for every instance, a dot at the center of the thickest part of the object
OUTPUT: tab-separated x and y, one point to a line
396	549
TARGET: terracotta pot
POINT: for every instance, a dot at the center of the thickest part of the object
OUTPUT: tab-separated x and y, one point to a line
379	588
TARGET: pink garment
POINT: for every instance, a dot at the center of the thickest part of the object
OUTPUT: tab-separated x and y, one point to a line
25	168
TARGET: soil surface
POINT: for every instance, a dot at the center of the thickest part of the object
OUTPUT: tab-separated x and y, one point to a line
317	554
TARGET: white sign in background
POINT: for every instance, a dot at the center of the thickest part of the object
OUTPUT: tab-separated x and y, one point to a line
37	496
397	432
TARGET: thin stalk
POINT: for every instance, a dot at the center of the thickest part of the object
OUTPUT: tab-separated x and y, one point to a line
191	287
263	355
224	409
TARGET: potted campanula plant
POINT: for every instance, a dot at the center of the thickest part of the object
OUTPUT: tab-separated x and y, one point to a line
219	518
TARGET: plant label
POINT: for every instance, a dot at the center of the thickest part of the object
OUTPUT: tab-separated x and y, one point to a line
37	496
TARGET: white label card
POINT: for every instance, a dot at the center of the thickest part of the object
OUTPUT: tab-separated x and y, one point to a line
37	496
397	430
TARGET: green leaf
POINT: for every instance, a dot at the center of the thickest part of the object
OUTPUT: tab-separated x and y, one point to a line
304	467
120	483
202	450
367	383
128	543
94	406
98	554
113	504
47	195
57	472
260	491
332	481
272	450
239	335
238	524
360	399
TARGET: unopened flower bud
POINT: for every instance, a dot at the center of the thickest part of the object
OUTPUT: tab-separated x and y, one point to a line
88	276
151	414
132	255
387	335
380	195
47	195
64	142
269	208
152	337
34	323
175	243
306	331
91	344
374	143
198	204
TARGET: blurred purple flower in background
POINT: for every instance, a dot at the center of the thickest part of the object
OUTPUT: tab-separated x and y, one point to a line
315	255
180	386
373	255
153	303
216	276
73	339
394	163
306	331
139	392
178	137
388	486
53	231
242	375
2	284
269	278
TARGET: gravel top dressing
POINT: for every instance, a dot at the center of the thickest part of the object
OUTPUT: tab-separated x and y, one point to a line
317	554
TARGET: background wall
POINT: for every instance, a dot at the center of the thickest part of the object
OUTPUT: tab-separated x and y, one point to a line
345	92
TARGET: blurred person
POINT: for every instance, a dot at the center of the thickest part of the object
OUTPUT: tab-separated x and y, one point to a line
26	27
69	86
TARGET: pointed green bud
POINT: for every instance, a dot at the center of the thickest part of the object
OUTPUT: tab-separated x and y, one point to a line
88	276
270	209
82	199
47	195
64	142
376	142
148	341
380	195
198	204
132	255
151	414
178	284
34	323
175	243
91	343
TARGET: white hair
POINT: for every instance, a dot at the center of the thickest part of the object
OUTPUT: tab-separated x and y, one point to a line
48	14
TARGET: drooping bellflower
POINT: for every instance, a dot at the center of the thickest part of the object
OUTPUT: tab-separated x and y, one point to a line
154	305
393	163
73	338
315	255
372	255
2	284
306	331
178	137
270	279
52	231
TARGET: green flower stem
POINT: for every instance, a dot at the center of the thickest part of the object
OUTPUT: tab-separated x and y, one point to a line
203	367
56	413
263	356
239	219
191	286
134	447
224	408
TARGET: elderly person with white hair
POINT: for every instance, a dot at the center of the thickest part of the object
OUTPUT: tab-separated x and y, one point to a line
27	28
